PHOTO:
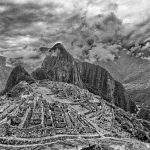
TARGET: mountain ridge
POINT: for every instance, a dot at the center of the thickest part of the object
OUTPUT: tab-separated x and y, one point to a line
59	65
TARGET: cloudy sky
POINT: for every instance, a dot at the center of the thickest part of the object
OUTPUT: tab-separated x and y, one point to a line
114	24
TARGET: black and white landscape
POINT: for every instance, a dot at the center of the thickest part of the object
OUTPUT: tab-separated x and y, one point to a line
74	75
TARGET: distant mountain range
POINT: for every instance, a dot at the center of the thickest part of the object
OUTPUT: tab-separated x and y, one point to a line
126	68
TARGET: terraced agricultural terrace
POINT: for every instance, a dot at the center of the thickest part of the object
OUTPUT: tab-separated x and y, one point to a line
47	112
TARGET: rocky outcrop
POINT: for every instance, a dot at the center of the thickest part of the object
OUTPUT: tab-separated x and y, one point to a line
98	81
18	74
144	113
40	74
59	65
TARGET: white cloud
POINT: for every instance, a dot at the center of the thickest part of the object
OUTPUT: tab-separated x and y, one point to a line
133	11
19	41
3	8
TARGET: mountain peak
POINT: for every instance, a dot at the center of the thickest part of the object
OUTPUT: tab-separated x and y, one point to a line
18	74
58	50
59	65
59	46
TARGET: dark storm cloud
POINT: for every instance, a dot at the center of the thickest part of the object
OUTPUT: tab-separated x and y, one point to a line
29	24
26	24
21	26
38	20
22	16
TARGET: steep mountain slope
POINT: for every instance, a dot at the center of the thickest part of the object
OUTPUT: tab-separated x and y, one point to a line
4	72
59	65
136	80
48	114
